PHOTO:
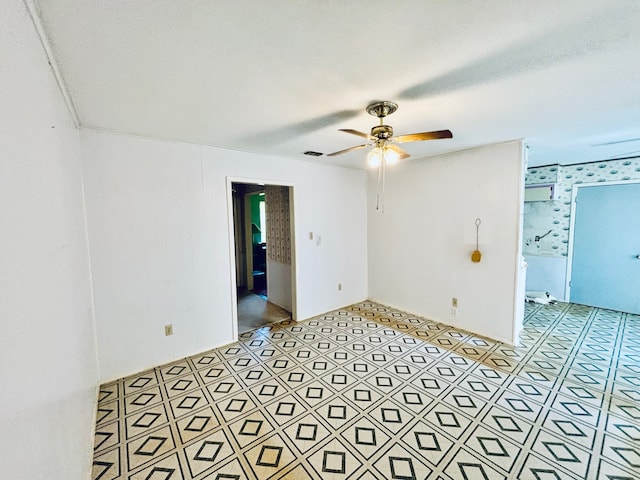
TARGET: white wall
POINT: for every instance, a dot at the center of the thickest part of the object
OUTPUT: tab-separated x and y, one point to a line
159	229
419	248
547	274
48	371
279	284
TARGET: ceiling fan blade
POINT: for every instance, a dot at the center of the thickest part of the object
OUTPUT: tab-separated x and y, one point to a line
340	152
354	132
417	137
398	150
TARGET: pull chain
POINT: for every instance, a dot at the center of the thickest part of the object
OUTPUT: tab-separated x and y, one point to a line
381	182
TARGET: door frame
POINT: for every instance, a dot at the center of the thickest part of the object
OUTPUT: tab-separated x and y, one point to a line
232	241
572	221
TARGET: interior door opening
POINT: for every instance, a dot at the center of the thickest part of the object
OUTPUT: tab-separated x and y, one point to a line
264	261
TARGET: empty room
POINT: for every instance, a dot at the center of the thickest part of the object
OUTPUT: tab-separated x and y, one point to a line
320	240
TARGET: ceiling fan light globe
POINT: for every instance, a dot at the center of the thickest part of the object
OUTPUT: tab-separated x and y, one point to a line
391	157
374	157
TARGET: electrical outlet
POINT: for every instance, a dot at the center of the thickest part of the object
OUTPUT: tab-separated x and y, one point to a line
310	235
168	330
454	312
339	287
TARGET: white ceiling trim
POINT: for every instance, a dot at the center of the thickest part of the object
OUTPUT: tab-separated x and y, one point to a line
34	14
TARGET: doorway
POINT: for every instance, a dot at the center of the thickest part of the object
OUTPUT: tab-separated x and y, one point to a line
262	230
604	258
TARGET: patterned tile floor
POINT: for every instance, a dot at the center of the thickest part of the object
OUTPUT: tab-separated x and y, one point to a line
368	392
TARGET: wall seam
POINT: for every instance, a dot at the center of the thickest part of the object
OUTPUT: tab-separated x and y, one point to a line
92	298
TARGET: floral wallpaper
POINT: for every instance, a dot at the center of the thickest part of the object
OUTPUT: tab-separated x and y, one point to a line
278	225
549	221
547	174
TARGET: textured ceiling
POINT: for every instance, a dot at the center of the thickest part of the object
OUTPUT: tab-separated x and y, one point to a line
280	77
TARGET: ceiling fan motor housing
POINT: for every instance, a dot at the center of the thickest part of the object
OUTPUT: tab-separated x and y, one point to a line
382	132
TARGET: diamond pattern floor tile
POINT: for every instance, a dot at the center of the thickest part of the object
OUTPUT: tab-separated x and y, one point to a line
367	392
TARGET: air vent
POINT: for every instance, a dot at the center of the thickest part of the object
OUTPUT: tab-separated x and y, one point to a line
312	153
541	192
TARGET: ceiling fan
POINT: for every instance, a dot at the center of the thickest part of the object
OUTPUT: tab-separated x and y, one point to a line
384	142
